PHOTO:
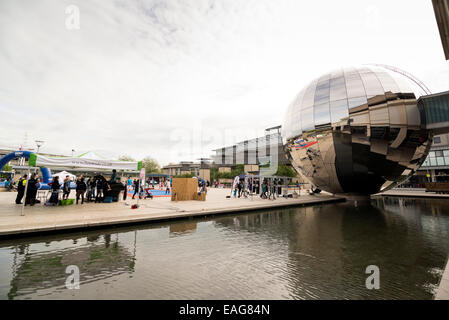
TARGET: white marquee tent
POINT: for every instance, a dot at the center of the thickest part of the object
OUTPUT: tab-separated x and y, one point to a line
63	174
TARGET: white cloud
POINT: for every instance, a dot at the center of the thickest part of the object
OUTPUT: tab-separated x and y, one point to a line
138	74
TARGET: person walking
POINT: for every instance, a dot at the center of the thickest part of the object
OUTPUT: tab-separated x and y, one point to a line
240	188
66	188
264	190
21	189
80	189
136	188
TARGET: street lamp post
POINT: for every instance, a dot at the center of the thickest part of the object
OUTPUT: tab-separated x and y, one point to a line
73	150
39	143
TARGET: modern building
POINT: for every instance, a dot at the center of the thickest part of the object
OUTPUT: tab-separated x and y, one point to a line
200	169
434	111
358	130
253	154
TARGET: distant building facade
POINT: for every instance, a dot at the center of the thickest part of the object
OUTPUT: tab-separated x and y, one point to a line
434	111
254	153
199	169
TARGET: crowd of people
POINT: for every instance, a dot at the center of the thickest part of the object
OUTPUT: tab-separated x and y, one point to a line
31	190
268	189
89	189
93	189
134	186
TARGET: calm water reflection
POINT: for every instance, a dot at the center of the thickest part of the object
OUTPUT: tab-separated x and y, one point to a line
304	253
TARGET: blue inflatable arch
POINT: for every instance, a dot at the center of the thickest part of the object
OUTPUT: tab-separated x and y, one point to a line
46	173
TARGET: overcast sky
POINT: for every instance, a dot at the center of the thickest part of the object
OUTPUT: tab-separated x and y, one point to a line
175	79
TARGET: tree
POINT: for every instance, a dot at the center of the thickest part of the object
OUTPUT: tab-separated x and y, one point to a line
7	167
125	157
185	175
151	165
286	171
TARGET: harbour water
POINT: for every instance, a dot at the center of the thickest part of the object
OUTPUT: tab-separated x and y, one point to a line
318	252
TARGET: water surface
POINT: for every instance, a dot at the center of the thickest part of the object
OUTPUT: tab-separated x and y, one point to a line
318	252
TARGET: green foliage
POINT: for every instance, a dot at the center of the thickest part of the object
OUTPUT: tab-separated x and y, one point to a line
239	169
7	167
286	171
125	157
151	165
215	175
186	175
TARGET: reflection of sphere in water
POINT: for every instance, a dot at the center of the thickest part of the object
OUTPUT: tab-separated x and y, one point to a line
356	130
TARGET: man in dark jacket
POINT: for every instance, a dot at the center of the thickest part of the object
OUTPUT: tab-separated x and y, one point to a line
21	189
80	189
33	184
240	187
136	188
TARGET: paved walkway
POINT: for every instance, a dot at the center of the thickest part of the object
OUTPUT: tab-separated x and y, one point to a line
443	289
40	218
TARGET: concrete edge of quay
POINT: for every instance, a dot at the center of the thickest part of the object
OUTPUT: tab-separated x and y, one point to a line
411	195
85	225
443	287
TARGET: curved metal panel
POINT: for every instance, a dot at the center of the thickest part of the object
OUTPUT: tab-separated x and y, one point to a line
356	130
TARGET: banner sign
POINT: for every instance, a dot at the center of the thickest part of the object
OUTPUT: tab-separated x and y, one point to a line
41	161
142	176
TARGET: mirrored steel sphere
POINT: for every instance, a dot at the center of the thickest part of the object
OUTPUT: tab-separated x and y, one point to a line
356	130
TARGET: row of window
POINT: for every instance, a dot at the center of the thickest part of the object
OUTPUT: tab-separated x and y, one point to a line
329	98
437	109
437	158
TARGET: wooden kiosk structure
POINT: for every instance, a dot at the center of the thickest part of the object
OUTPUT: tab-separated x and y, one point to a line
185	189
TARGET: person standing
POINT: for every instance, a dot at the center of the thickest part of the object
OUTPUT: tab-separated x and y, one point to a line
240	188
204	188
100	190
90	189
8	185
21	189
114	176
30	197
125	192
55	186
66	188
167	187
80	189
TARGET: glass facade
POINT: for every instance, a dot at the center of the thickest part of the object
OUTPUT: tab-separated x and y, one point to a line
357	130
436	108
437	158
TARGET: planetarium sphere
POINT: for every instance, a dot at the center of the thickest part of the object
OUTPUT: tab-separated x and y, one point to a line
356	130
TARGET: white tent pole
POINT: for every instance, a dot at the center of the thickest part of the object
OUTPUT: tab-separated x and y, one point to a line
25	193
